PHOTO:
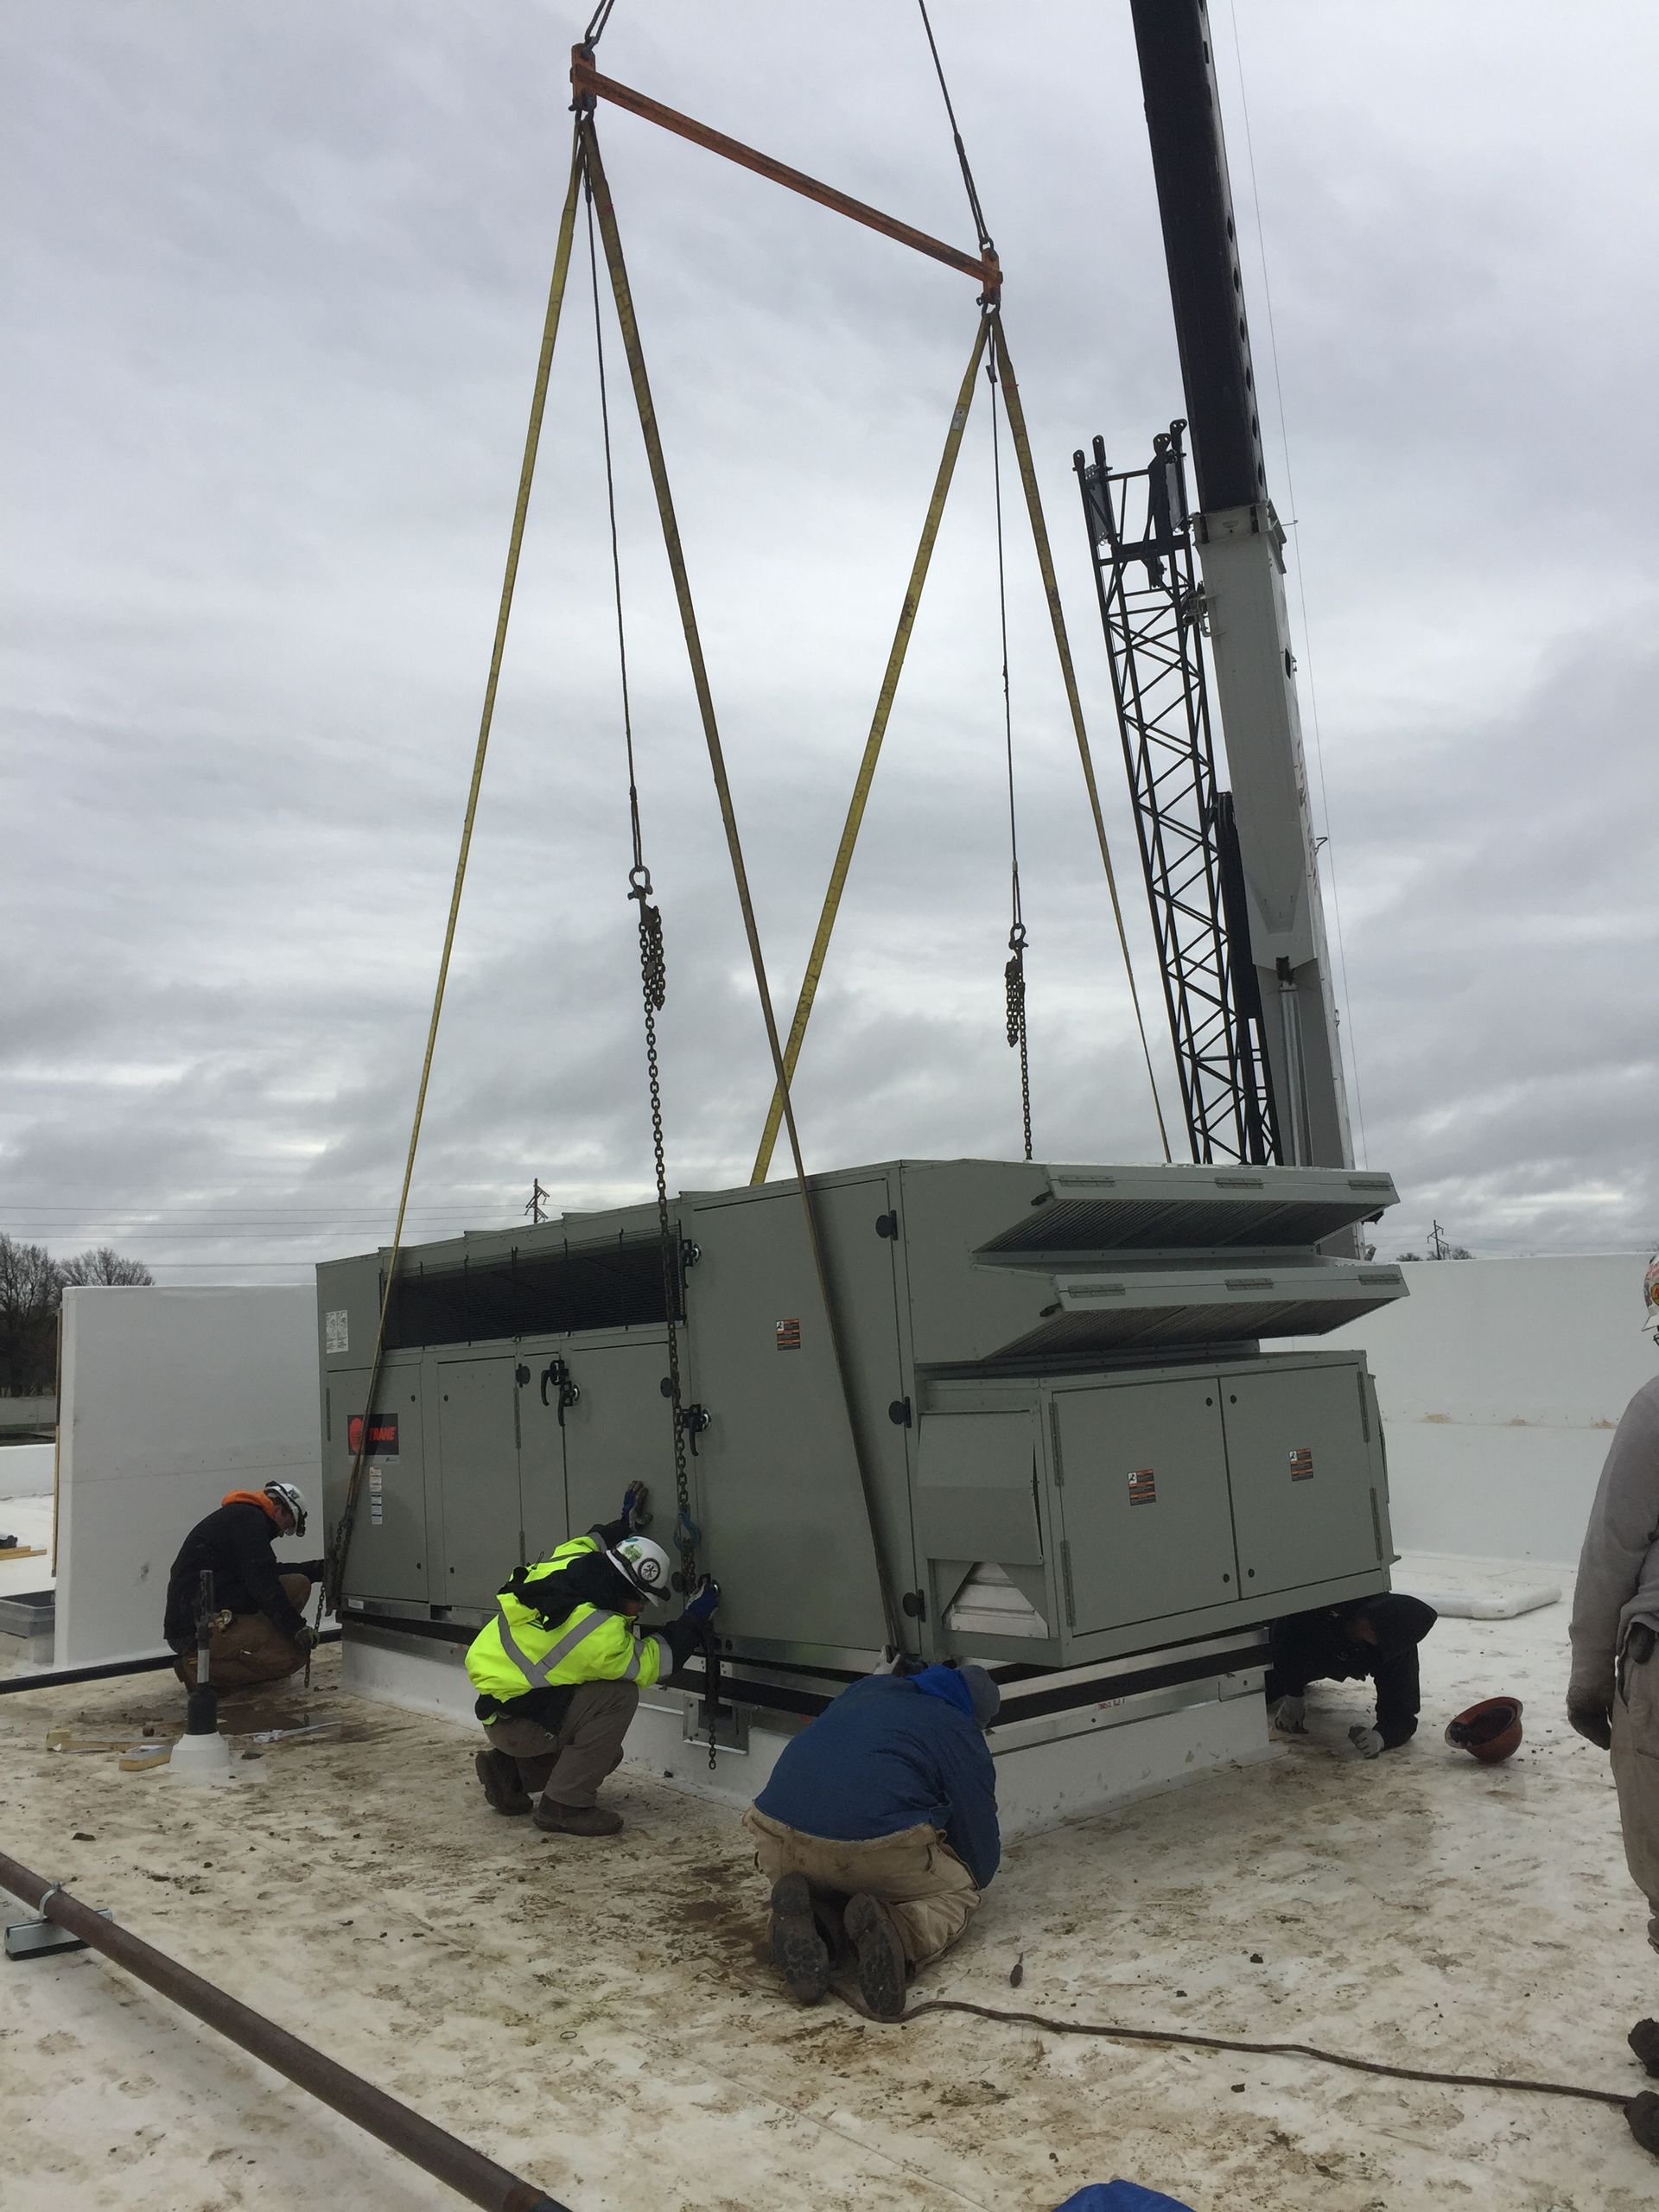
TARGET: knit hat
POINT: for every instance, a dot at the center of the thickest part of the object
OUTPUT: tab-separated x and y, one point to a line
987	1698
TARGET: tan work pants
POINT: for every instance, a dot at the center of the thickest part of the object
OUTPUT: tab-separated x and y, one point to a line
929	1893
250	1649
1635	1771
567	1764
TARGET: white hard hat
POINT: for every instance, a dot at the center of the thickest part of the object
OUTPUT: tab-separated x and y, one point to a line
1650	1296
294	1498
642	1565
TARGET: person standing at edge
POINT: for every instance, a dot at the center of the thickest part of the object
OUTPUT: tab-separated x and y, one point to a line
1612	1696
559	1666
884	1804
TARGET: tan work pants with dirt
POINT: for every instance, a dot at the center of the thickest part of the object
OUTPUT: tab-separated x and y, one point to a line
929	1893
1635	1771
250	1649
566	1764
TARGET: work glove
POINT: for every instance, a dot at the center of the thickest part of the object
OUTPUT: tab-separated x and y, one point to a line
701	1607
1290	1716
636	1508
1367	1742
1593	1719
307	1639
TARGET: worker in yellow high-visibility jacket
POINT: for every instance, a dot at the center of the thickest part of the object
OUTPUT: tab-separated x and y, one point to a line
559	1668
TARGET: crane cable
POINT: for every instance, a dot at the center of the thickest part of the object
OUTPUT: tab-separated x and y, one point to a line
328	1591
653	971
1014	976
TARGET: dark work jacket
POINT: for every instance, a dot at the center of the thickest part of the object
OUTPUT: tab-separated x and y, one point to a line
235	1541
1316	1647
884	1756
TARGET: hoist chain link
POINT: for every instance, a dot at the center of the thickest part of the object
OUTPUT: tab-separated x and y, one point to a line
653	978
1014	978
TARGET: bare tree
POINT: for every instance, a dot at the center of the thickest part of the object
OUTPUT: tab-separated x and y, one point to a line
100	1265
29	1290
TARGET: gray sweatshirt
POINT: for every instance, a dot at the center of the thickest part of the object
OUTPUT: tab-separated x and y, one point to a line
1618	1567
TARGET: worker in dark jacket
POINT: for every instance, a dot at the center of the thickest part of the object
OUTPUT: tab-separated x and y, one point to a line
1368	1638
884	1806
260	1634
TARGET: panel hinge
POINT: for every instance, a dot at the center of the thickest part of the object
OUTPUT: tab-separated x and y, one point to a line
1065	1584
887	1224
898	1413
913	1604
1377	1526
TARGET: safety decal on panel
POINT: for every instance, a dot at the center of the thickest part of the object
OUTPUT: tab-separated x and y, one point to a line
1301	1462
1144	1487
336	1331
789	1335
383	1435
377	1498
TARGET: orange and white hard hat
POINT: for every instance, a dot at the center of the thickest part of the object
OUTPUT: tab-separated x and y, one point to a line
1650	1296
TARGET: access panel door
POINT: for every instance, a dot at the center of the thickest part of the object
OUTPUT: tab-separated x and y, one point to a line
387	1554
1143	1503
618	1430
477	1446
1306	1496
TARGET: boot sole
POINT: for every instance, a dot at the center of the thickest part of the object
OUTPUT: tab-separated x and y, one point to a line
880	1958
559	1825
493	1789
798	1951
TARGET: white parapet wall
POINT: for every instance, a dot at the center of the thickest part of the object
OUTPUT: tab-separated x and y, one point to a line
27	1470
1500	1383
170	1399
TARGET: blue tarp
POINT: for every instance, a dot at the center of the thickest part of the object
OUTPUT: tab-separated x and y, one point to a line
1121	2197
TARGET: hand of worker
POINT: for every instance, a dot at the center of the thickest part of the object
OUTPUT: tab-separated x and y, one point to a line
307	1639
1592	1721
701	1607
1290	1716
1367	1742
636	1507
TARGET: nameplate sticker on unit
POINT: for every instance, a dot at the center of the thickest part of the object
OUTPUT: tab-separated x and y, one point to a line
789	1335
336	1331
1144	1487
383	1435
1301	1462
377	1498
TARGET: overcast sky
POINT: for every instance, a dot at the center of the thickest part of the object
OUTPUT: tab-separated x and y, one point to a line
274	280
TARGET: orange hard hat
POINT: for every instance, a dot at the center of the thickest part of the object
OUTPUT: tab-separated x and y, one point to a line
1490	1731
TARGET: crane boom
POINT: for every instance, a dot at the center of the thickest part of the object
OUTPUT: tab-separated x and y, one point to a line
1241	549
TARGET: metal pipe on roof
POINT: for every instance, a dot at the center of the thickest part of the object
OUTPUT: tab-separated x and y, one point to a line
398	2125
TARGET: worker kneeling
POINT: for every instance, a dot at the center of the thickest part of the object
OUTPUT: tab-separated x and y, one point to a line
560	1668
880	1817
259	1632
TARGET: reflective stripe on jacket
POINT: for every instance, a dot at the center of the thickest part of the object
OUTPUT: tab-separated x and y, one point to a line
515	1653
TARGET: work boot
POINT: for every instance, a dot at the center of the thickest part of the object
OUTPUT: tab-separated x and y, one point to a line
880	1957
1643	2114
576	1820
798	1951
1643	2040
502	1786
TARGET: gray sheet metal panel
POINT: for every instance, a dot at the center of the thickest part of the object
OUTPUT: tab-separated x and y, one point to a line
1101	1312
948	1209
978	1503
541	1452
785	1525
1143	1503
1309	1497
1193	1208
389	1552
621	1430
478	1450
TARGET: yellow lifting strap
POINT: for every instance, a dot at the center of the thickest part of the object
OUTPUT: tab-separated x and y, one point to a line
872	748
649	429
329	1589
1069	675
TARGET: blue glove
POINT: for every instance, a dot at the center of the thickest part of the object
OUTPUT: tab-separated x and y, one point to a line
636	1507
702	1607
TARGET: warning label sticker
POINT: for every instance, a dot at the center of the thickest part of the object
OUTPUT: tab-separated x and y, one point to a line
1144	1487
383	1435
1301	1462
789	1335
336	1331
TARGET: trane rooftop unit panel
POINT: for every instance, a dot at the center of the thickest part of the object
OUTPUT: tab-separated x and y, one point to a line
1113	1313
1191	1209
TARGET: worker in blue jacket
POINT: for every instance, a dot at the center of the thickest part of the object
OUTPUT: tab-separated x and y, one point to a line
881	1817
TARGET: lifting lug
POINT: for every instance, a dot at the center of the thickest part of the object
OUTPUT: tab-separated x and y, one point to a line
558	1374
690	1252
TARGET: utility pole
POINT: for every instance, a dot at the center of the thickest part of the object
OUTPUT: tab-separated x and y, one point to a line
537	1199
1437	1249
1241	551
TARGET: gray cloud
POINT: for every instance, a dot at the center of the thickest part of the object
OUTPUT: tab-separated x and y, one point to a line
278	278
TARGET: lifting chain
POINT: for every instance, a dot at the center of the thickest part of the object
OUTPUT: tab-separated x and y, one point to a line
1014	978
